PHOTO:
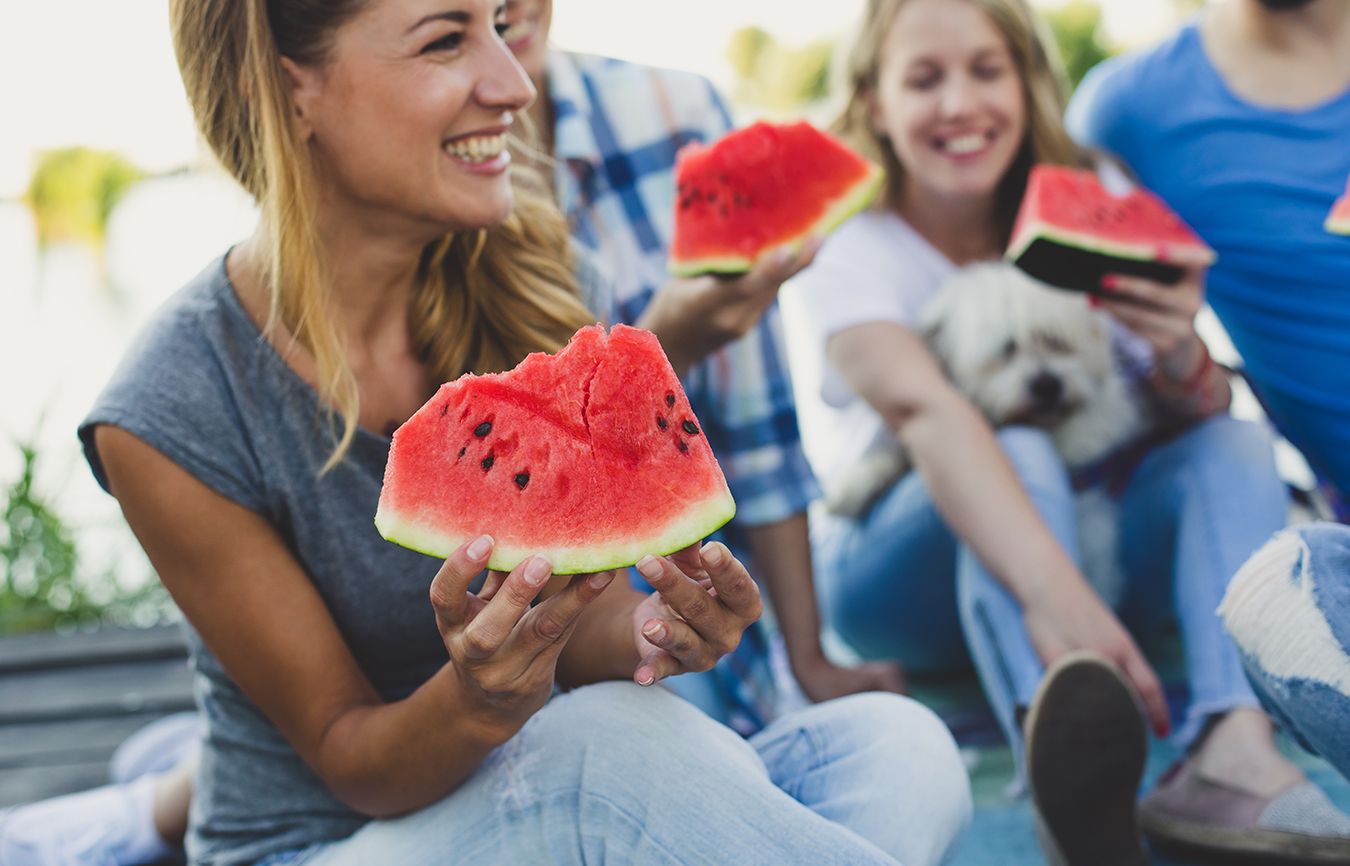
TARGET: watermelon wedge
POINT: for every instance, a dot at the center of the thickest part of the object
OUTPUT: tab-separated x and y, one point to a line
759	188
591	457
1071	231
1338	221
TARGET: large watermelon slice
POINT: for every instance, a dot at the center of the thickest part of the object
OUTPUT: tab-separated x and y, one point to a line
1338	221
762	187
591	457
1071	231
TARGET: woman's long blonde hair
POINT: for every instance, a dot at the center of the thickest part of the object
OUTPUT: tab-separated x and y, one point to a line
485	297
1037	62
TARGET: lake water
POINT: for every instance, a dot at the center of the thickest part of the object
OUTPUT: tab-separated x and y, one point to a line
66	319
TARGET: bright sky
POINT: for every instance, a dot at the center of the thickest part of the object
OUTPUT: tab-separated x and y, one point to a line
102	74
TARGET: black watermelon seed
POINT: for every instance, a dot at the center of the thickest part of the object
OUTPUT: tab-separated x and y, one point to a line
522	478
487	462
445	407
660	422
690	428
670	399
461	452
684	447
483	429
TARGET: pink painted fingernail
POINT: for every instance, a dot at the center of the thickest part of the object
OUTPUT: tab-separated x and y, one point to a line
650	566
1093	301
1162	251
480	547
537	571
1110	282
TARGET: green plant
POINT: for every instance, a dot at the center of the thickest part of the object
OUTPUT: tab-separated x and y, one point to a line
42	585
73	192
1077	29
777	76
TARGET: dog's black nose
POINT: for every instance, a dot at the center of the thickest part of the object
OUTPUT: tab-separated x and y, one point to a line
1046	388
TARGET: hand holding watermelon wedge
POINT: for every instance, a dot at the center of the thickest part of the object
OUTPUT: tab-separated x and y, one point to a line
695	316
505	652
704	601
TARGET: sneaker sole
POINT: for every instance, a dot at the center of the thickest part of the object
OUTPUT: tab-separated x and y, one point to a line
1254	846
1086	745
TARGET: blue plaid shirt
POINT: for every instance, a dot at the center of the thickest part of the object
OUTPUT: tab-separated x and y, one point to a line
616	130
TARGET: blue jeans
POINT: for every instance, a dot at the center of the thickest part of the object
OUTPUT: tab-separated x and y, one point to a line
898	584
617	774
1288	609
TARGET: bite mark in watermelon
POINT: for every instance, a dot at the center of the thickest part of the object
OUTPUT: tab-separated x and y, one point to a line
759	188
1071	231
591	458
1338	221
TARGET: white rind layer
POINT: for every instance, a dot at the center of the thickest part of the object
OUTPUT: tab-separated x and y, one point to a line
846	206
1141	252
696	523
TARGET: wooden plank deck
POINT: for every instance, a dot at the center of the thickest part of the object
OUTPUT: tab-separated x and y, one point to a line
67	701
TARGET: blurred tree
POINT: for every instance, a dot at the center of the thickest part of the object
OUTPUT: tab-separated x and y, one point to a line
778	77
1077	29
73	192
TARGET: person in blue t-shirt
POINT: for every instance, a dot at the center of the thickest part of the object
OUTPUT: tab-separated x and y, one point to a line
1241	121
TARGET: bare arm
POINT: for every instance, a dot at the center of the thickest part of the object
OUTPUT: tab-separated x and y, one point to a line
980	497
781	553
253	604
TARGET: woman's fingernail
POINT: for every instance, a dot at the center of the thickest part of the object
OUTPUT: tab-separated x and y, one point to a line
480	547
537	571
646	679
1162	251
650	566
713	554
1093	301
654	630
1110	282
600	579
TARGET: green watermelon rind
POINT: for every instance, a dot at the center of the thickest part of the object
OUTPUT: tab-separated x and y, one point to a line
1140	252
698	521
857	197
1338	221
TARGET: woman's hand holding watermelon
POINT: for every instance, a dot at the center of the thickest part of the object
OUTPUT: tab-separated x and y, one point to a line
695	316
504	651
704	600
1163	314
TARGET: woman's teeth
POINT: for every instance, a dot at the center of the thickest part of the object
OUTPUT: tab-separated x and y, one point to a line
964	144
480	148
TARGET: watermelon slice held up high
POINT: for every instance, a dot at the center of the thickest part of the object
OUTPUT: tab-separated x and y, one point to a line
1338	221
1071	231
591	458
759	188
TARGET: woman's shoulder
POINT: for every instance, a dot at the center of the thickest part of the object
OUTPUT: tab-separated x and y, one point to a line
178	385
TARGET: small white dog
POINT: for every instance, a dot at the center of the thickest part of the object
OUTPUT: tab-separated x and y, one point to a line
1031	355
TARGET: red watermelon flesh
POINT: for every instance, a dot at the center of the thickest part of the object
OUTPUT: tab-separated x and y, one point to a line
591	458
1072	231
760	188
1338	221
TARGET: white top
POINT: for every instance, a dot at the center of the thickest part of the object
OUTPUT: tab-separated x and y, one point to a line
875	268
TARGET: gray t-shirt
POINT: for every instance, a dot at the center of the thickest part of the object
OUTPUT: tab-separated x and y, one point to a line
202	386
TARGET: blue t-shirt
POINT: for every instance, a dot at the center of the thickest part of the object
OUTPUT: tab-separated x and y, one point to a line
1257	183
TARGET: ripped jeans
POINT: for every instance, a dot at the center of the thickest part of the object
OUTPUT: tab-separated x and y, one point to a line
617	774
1288	610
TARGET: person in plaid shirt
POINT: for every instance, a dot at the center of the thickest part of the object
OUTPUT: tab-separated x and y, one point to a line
612	129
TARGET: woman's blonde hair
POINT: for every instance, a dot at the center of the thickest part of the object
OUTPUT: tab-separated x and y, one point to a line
1036	60
485	298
